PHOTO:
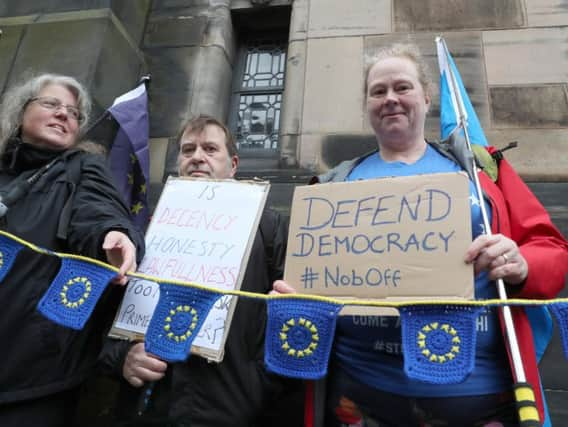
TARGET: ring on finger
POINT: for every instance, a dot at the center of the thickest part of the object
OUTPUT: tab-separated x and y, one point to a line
506	258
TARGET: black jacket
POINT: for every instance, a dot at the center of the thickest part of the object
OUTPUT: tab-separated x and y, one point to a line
239	391
39	357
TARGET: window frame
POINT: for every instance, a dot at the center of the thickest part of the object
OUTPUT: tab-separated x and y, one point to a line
237	91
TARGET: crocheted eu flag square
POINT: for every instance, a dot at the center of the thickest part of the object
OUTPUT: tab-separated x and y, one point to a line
177	319
8	251
73	294
439	342
560	311
299	334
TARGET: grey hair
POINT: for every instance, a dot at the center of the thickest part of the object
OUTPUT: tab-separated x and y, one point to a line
402	50
17	97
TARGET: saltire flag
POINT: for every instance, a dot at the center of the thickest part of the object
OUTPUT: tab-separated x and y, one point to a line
299	335
439	342
74	292
177	319
539	317
449	110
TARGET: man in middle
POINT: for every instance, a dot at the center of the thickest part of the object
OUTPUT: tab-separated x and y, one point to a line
237	392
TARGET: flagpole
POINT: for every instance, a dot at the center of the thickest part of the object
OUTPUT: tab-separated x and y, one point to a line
524	393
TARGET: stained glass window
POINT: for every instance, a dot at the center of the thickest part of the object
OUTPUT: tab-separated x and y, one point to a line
260	96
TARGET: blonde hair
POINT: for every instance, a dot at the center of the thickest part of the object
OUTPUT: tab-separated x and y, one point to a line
402	50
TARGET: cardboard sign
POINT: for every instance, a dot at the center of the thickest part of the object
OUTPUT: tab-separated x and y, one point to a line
201	232
401	237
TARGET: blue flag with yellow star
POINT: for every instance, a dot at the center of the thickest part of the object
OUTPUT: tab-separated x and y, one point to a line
439	342
299	335
74	293
177	319
129	155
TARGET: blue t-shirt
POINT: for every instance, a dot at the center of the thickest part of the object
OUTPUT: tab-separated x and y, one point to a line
369	348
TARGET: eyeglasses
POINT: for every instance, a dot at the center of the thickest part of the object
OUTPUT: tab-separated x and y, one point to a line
52	103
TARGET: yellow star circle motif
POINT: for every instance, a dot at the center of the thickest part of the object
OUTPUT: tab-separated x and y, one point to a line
1	259
71	283
444	328
299	323
185	309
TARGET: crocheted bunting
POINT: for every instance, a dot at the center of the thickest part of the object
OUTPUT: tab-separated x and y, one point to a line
73	294
299	334
176	321
560	311
439	342
8	251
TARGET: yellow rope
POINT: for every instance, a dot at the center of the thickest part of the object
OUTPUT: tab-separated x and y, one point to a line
339	301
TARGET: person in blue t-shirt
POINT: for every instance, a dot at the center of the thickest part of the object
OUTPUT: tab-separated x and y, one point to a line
367	385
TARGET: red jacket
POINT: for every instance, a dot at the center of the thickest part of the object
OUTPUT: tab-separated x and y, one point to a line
518	214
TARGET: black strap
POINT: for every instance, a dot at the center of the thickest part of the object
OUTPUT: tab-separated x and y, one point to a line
498	154
74	174
21	188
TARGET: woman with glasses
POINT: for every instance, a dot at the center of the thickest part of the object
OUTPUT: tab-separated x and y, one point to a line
66	203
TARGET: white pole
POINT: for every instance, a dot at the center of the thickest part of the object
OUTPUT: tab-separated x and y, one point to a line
505	310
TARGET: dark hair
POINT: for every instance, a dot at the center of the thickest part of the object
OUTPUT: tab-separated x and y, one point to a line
198	124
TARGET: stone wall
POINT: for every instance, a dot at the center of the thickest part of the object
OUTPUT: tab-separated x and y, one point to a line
90	40
190	51
512	55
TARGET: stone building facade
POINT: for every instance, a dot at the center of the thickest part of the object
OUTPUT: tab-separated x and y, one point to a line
512	55
308	113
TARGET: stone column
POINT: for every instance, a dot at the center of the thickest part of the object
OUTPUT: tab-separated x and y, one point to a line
97	45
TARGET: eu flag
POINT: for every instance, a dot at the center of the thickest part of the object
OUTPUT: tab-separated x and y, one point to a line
439	342
177	319
74	292
129	155
299	335
9	249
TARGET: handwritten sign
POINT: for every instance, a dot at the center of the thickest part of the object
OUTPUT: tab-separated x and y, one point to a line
399	237
201	232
